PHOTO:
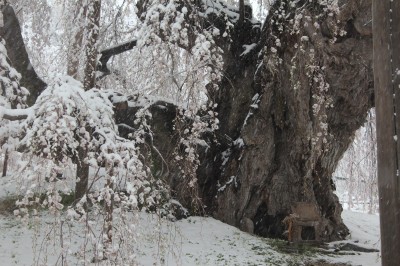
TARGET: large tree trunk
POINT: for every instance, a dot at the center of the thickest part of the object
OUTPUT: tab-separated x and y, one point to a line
74	53
301	111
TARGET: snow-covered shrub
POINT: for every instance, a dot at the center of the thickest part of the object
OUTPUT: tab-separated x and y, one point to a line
12	95
66	119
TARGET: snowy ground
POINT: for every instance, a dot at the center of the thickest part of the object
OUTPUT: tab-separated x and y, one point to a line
205	241
194	241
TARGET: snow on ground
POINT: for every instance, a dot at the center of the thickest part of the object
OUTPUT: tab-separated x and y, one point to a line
364	232
201	241
206	241
364	228
192	241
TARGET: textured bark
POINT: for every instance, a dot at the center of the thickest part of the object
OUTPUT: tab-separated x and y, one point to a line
74	52
89	82
82	175
387	83
91	52
279	164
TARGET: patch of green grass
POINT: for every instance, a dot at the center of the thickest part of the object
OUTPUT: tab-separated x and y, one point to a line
67	199
303	248
295	254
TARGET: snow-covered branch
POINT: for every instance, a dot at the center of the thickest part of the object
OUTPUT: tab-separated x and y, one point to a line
115	50
15	114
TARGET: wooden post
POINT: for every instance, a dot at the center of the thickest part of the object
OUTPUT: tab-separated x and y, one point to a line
395	45
386	38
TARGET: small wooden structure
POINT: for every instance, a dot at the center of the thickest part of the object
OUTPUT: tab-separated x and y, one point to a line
304	215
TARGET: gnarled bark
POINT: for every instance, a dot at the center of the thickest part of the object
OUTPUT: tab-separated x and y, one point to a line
283	153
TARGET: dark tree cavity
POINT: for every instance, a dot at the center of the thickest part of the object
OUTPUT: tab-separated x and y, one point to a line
288	108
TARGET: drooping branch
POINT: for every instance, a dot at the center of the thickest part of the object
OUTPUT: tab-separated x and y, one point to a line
129	45
18	55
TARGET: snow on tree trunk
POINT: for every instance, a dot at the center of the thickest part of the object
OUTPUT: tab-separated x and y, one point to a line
284	131
82	170
91	45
